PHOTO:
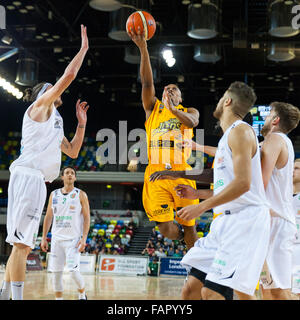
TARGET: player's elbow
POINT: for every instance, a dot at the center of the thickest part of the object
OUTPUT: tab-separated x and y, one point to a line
70	75
244	185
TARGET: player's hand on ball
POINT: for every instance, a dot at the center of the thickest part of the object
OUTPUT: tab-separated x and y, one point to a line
190	212
138	38
186	192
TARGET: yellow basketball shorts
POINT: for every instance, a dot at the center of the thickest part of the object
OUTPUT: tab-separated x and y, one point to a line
160	200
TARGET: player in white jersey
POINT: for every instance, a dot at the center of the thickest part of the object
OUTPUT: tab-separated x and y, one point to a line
41	146
277	162
69	213
232	254
296	247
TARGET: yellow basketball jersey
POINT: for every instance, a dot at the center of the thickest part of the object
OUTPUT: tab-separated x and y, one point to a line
165	135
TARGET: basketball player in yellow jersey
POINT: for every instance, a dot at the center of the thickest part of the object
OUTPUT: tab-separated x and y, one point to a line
167	124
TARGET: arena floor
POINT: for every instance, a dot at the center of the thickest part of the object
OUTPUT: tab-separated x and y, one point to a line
38	286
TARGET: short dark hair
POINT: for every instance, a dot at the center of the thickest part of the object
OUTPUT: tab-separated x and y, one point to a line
68	167
32	93
245	96
289	115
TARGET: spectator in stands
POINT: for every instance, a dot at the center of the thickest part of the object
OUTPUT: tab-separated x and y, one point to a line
153	233
166	245
169	241
184	252
170	252
160	253
93	243
149	250
116	240
153	267
177	253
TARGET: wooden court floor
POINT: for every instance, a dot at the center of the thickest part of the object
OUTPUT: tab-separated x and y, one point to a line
38	286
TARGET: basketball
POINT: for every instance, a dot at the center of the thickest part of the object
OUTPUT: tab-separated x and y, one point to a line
144	20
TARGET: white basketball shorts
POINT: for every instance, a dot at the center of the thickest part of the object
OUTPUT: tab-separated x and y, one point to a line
26	199
277	271
233	252
64	252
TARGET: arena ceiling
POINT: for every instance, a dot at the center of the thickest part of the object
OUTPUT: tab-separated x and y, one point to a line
48	31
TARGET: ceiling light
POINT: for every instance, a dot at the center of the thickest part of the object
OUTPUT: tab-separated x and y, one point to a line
101	89
39	37
280	17
7	39
171	62
133	88
29	7
10	7
56	36
23	11
113	97
17	3
50	40
105	5
45	34
203	20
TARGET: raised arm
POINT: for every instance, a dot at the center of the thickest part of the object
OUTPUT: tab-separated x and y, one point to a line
47	224
69	75
148	89
72	148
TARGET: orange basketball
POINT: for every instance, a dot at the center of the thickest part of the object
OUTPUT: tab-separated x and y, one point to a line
144	20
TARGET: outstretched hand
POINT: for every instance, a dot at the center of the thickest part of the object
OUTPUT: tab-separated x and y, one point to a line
84	38
138	37
81	110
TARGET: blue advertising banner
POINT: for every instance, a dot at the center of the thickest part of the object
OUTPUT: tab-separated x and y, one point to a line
171	266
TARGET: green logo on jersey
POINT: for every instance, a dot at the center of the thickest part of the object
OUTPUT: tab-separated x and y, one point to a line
219	183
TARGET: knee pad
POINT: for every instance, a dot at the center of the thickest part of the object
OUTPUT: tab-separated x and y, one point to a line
77	277
57	281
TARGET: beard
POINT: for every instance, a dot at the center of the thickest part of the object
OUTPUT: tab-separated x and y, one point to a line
218	112
265	130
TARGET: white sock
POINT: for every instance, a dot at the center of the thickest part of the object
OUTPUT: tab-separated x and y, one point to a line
5	291
59	298
17	288
81	295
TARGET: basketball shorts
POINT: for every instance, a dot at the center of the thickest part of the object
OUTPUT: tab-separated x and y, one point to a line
159	197
277	271
26	199
296	268
64	253
233	252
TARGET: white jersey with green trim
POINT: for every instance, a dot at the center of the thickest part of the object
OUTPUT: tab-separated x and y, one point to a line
67	215
296	205
224	174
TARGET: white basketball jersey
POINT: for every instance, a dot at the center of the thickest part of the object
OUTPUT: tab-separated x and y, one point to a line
296	205
41	145
224	174
67	217
280	187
